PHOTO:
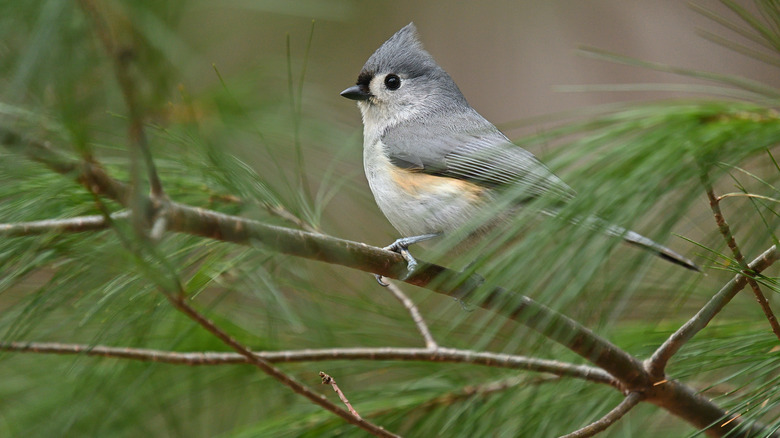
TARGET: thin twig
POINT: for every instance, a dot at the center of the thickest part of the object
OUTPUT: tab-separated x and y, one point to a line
725	230
746	195
180	303
303	179
285	214
422	327
70	225
328	380
274	209
122	57
448	355
607	420
657	363
177	296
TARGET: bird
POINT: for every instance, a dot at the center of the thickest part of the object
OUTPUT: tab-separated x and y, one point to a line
434	164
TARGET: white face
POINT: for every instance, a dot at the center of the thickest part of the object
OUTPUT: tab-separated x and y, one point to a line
392	100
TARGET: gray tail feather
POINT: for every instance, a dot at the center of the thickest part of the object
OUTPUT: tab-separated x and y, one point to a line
641	241
633	238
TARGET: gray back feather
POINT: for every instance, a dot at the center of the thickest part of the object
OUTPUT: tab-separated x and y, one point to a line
464	145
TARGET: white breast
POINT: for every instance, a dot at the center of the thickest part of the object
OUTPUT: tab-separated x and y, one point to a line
417	203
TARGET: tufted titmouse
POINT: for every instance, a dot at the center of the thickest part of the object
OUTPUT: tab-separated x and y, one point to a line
433	163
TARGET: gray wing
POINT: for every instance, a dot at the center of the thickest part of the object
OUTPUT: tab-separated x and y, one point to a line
469	147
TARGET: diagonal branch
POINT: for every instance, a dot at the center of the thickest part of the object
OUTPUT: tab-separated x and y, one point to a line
87	173
356	255
122	57
448	355
328	380
657	363
688	404
422	327
612	416
725	230
179	302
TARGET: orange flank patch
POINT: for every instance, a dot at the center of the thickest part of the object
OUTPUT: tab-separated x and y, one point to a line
417	184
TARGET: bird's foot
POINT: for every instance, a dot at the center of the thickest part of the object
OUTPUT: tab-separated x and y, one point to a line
401	246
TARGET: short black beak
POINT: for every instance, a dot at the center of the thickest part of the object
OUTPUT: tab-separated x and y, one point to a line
355	93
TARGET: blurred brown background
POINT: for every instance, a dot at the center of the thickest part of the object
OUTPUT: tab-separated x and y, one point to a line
506	56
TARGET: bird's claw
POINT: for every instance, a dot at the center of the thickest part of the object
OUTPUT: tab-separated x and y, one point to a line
411	263
401	246
379	280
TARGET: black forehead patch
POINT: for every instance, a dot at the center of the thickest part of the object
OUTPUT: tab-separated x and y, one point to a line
365	78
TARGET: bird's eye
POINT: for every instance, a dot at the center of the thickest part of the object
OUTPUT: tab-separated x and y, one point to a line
392	82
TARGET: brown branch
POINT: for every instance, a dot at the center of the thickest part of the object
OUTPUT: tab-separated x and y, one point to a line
328	380
71	225
686	403
607	420
179	302
725	230
87	173
444	355
681	401
422	327
555	326
657	363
